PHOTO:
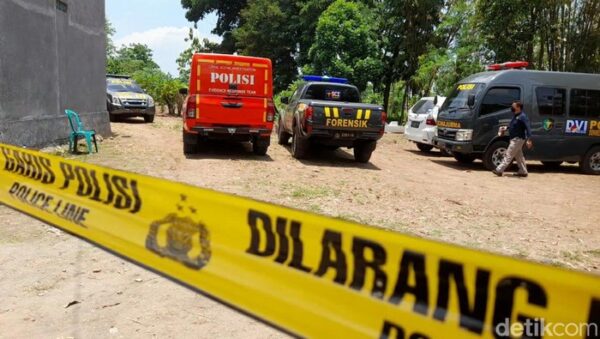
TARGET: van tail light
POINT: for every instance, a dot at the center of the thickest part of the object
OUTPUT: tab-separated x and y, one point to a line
430	121
270	111
191	107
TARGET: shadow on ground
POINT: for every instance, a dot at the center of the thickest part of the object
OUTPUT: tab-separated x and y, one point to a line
131	120
227	151
430	154
321	156
531	167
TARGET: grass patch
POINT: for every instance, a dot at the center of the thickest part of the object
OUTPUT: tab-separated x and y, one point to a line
311	192
594	253
352	218
315	209
521	254
571	256
435	233
177	126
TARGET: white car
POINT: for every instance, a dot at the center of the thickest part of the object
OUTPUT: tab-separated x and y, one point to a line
420	127
394	127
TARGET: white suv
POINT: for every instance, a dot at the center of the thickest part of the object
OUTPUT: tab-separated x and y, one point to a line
420	127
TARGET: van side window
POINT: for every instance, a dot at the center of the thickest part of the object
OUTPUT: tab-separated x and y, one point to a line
551	101
498	99
585	103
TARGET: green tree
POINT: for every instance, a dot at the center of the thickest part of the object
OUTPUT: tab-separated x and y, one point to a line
185	58
162	87
557	35
228	13
406	29
455	51
346	44
129	59
304	18
109	32
266	33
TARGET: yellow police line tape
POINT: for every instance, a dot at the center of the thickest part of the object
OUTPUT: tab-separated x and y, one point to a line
307	274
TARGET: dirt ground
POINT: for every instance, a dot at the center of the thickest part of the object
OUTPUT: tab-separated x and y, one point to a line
550	217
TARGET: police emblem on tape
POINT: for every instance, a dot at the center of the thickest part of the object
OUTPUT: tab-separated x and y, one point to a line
180	239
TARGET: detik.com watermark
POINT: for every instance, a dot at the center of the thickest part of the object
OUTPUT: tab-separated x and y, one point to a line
538	328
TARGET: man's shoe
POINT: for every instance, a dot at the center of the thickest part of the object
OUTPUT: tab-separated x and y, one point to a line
521	175
497	173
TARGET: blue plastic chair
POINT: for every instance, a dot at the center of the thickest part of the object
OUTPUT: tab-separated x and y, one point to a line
77	131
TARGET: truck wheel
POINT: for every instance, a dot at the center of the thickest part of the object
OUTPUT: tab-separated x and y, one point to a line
260	146
300	145
552	164
112	118
363	151
493	156
464	158
591	161
283	137
424	147
148	118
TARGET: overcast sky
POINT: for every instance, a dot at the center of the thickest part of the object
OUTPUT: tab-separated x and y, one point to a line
160	24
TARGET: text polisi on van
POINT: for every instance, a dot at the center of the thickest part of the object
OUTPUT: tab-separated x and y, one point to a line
230	78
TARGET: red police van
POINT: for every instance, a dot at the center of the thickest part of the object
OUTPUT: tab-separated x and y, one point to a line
230	97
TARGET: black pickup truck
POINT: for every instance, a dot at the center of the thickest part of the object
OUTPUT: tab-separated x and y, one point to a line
330	114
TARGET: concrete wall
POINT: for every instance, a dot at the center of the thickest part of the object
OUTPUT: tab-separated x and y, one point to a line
51	60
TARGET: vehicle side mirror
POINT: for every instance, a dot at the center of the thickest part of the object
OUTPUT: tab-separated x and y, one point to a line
183	91
435	101
285	100
471	100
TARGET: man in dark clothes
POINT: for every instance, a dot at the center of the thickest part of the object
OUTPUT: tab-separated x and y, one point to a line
519	132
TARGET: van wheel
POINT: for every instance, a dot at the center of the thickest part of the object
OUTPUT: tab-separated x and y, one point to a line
464	158
591	161
300	145
283	137
148	118
363	151
493	156
424	147
552	164
260	146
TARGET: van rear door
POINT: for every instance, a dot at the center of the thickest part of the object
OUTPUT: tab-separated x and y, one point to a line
232	90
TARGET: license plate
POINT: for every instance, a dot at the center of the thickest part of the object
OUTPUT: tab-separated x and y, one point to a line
415	124
344	135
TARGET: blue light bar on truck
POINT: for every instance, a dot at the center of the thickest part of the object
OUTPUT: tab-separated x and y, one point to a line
324	78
